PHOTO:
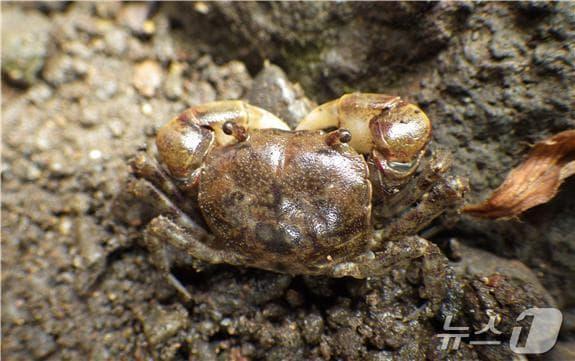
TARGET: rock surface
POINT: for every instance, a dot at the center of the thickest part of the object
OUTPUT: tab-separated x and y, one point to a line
76	281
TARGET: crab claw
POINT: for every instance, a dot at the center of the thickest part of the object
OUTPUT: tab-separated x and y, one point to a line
184	142
394	169
400	132
389	130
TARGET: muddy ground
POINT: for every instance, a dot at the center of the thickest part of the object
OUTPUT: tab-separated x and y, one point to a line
86	85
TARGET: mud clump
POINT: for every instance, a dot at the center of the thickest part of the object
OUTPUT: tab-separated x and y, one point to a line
76	281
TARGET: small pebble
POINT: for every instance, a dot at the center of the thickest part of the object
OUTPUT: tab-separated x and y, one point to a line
147	78
116	41
25	43
273	91
149	27
95	154
147	109
116	128
90	116
199	92
134	17
174	85
39	343
26	170
294	298
201	7
39	93
107	9
161	323
65	226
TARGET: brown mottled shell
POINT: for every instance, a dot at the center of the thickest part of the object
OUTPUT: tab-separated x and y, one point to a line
285	198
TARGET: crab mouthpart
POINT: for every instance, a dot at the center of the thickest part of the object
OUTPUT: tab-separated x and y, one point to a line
394	168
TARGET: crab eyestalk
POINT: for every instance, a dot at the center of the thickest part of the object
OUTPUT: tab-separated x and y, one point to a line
390	131
338	136
236	130
185	141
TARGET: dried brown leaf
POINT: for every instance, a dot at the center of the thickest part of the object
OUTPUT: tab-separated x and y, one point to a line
533	182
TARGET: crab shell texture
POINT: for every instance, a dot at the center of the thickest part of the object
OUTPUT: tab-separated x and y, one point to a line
285	199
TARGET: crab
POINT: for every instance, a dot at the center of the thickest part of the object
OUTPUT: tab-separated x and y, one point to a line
344	194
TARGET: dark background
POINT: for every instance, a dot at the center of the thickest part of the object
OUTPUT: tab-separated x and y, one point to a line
76	283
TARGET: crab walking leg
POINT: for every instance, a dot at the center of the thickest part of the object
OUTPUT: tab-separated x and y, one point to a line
437	166
143	189
434	266
186	235
159	256
144	166
178	230
162	230
393	203
443	196
146	191
182	194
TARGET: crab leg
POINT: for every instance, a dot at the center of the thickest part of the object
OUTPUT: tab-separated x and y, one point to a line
144	166
177	229
393	201
161	230
401	254
441	197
